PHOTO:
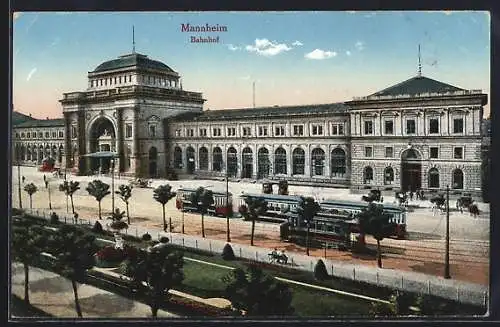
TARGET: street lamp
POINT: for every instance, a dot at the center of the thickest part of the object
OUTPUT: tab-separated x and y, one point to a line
228	232
112	185
307	236
19	183
447	249
182	210
47	186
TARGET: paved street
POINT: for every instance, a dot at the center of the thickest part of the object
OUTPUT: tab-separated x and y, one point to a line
422	252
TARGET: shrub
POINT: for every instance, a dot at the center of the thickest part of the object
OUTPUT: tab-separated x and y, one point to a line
146	237
97	228
54	218
228	253
320	272
164	239
110	254
17	212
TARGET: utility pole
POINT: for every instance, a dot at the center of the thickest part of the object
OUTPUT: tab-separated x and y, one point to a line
447	249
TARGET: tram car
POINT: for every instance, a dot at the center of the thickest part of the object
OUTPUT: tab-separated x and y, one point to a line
219	207
347	210
279	207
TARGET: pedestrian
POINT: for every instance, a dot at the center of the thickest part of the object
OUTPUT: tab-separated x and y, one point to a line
422	195
44	178
411	195
24	179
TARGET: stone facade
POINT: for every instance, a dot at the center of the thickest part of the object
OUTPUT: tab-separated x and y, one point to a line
417	134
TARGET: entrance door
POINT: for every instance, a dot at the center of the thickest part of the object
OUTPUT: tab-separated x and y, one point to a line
411	176
152	169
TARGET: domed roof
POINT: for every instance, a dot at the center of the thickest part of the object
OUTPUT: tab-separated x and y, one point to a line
130	60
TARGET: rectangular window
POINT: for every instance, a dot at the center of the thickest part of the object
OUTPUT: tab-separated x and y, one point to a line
231	131
458	153
298	130
433	126
458	125
178	132
434	152
40	135
279	131
317	130
410	126
368	151
128	130
247	131
47	135
73	132
368	127
61	134
389	152
28	135
388	127
190	132
216	131
152	131
203	132
262	131
54	134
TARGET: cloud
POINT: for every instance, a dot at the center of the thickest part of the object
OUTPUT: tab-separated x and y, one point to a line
318	54
233	47
32	72
267	48
297	43
359	45
16	15
348	52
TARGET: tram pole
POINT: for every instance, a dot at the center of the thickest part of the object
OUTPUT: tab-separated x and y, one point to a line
447	244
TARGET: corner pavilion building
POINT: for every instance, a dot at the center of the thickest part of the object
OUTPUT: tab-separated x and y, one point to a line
418	134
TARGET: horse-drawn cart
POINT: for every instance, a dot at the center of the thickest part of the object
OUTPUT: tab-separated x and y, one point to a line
140	183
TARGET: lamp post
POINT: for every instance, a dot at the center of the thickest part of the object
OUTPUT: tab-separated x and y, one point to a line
19	183
47	186
112	185
447	249
228	236
307	236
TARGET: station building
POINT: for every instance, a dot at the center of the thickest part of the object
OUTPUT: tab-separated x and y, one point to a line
417	134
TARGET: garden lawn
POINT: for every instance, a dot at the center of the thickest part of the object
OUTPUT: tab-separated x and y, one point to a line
203	280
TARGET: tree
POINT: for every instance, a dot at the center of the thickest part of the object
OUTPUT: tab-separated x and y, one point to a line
74	251
375	222
255	206
30	189
202	199
69	188
116	220
257	294
163	194
98	190
160	268
27	244
125	192
306	210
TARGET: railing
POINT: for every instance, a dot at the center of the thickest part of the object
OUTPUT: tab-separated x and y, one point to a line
400	280
405	96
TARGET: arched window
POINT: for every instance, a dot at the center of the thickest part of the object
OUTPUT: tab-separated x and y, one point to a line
368	175
153	153
280	161
217	159
317	161
263	163
338	162
190	159
203	158
232	162
298	162
388	176
177	157
433	178
247	161
458	179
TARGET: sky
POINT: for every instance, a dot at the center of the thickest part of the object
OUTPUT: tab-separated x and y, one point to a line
293	58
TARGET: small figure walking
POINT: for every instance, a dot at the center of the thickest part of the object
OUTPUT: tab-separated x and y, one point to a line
411	195
24	179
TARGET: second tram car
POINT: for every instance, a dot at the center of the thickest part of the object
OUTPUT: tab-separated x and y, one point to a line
278	206
223	203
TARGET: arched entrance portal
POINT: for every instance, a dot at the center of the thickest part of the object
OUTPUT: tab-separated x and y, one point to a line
102	137
190	160
411	170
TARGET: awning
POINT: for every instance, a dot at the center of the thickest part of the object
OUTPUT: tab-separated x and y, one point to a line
101	154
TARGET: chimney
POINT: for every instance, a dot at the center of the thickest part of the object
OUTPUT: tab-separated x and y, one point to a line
47	118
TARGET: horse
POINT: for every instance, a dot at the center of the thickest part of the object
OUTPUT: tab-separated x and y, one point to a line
474	210
277	257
